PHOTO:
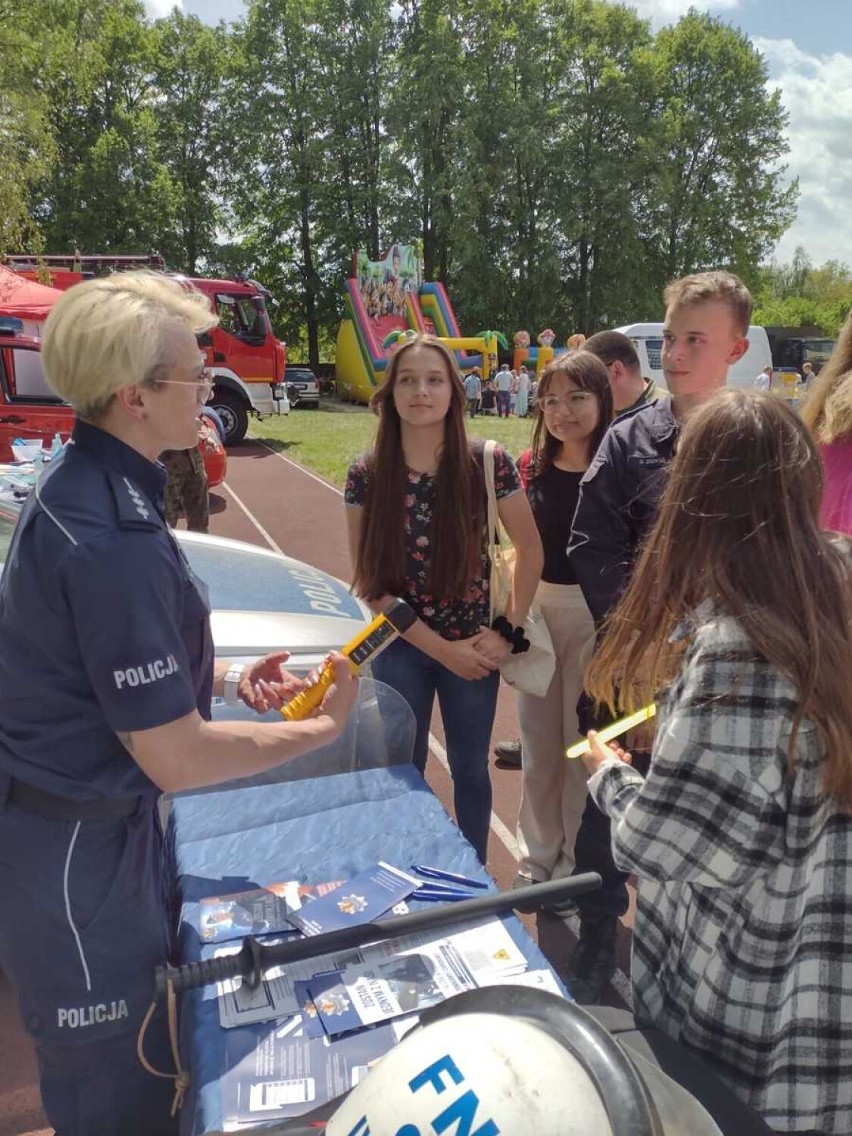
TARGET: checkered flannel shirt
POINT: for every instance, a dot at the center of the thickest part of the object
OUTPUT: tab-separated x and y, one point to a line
742	944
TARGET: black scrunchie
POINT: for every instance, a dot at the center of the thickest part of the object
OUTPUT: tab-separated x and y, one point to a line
513	635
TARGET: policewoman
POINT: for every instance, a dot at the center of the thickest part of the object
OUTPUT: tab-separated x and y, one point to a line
106	677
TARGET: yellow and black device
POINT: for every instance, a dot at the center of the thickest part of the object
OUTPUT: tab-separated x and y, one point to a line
396	617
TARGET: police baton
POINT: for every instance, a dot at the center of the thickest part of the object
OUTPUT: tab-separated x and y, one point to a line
255	958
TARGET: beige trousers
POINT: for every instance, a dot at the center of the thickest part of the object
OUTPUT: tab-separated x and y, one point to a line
554	789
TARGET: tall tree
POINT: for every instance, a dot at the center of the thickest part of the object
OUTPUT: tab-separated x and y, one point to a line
107	190
604	107
717	196
191	65
280	148
26	140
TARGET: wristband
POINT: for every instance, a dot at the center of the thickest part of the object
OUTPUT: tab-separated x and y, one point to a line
231	684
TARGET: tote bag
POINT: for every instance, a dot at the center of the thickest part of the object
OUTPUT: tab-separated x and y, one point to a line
532	671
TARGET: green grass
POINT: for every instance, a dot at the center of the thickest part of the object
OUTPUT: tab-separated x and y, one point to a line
326	440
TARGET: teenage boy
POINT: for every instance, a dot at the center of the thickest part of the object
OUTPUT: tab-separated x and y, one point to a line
704	333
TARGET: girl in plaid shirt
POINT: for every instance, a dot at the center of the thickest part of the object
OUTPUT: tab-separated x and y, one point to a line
741	834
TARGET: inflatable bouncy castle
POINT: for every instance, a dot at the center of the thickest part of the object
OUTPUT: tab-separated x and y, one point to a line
387	296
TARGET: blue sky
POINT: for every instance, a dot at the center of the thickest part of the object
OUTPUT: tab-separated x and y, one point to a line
807	45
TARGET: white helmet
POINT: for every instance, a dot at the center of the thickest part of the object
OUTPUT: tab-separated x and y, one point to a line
513	1061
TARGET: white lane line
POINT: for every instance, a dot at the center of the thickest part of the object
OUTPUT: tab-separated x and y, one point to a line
300	468
253	519
620	981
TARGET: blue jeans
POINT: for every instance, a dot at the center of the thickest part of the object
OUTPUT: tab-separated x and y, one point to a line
467	711
504	402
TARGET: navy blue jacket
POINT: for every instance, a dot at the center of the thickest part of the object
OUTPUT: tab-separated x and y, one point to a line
619	496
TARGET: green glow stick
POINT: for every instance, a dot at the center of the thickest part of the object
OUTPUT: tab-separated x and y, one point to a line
579	749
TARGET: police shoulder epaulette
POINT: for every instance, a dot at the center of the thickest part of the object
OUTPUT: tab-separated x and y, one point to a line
134	509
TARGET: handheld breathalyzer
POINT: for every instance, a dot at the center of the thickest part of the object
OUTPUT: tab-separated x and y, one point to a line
396	617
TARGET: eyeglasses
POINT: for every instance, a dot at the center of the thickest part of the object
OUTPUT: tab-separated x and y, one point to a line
574	401
203	384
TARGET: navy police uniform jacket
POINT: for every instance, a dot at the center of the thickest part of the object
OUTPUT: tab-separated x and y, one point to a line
619	497
103	630
103	627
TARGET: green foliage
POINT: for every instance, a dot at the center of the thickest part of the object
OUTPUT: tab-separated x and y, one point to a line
555	160
327	440
797	294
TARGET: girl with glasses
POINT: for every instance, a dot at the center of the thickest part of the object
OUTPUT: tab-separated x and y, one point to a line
575	404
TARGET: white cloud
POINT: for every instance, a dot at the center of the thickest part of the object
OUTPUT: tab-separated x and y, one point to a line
669	11
154	9
817	94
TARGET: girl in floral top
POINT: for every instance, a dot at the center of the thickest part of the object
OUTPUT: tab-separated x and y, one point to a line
741	833
416	509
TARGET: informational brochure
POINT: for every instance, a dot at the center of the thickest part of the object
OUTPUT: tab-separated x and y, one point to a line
360	900
258	911
275	996
276	1072
537	979
395	979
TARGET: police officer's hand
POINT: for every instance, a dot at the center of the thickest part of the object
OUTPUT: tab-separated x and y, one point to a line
341	695
267	685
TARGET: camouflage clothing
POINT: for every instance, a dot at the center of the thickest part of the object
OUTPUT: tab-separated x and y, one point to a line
186	489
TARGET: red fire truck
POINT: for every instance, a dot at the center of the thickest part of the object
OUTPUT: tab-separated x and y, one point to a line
246	358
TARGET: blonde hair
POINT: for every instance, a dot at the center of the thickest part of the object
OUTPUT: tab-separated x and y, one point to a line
702	287
827	409
110	333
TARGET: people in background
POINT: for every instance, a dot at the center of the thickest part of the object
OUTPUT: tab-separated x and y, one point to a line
416	508
489	397
522	404
704	333
617	353
576	408
763	382
186	494
503	383
740	833
827	410
473	391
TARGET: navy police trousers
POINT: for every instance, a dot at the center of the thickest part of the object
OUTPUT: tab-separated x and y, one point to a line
84	924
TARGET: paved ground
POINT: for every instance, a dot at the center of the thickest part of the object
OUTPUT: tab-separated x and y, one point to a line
269	500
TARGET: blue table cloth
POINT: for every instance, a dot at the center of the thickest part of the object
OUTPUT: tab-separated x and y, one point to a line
312	830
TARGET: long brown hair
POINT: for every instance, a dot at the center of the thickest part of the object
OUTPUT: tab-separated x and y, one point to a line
738	524
459	513
587	373
827	408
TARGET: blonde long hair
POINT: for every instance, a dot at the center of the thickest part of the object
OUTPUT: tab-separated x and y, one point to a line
738	524
827	409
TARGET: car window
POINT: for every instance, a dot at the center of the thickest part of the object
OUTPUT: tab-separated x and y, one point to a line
24	375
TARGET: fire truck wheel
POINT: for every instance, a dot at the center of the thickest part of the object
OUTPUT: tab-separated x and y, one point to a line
233	413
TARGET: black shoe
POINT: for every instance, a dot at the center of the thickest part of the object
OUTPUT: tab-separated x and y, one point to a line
509	752
593	964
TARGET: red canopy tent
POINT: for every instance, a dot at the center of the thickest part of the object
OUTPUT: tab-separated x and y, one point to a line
23	298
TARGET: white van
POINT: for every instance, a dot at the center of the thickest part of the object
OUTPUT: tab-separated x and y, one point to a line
648	338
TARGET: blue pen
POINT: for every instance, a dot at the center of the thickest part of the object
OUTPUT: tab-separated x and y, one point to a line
450	877
429	896
433	885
